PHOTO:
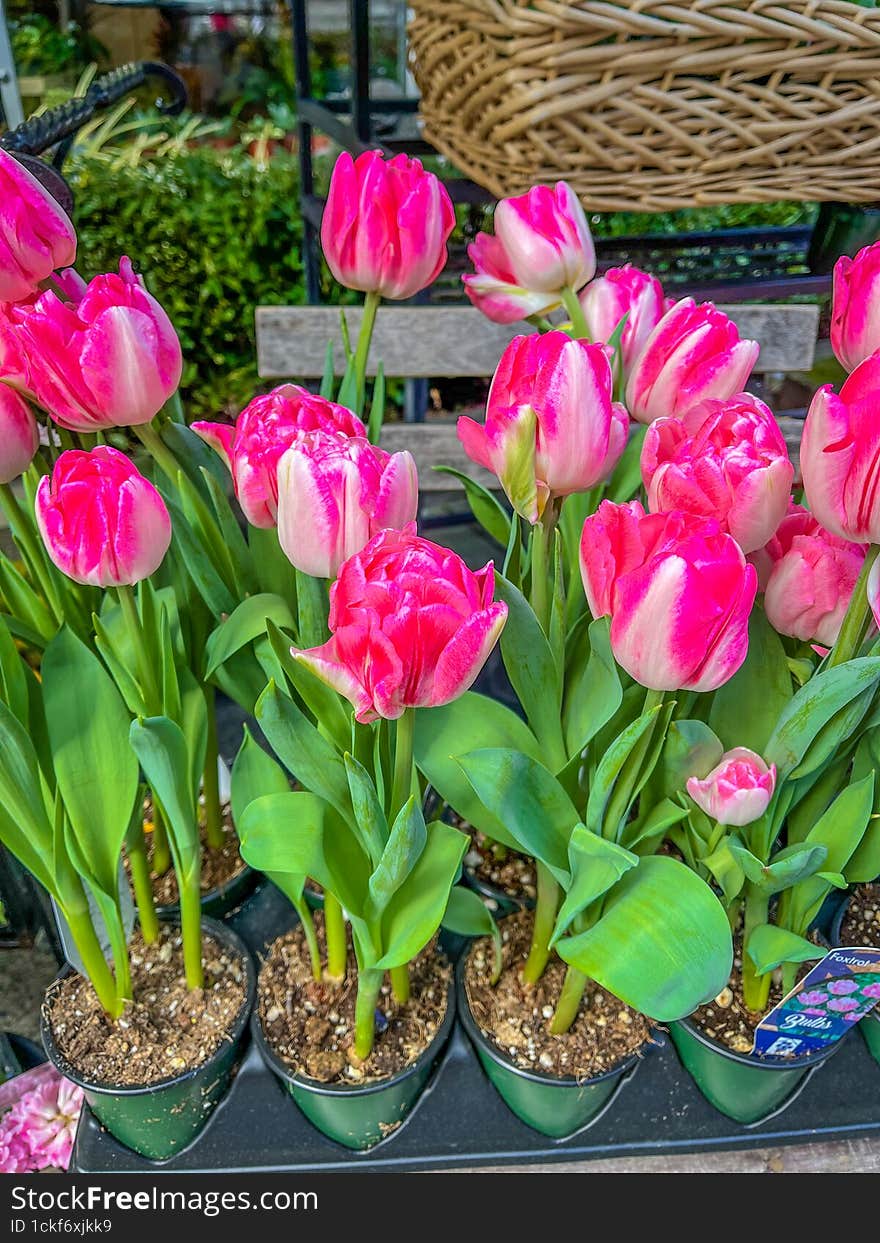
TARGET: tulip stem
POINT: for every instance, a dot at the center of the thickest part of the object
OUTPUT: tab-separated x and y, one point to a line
143	887
404	736
365	336
369	984
542	537
82	930
542	928
569	1001
211	778
161	454
337	942
400	983
756	988
857	617
572	304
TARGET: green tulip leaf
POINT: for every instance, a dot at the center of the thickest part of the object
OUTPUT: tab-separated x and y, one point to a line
414	912
305	752
254	774
746	708
593	691
770	946
596	865
810	727
532	670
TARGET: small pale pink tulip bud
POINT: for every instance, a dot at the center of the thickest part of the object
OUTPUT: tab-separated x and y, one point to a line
855	309
737	791
624	291
36	235
19	434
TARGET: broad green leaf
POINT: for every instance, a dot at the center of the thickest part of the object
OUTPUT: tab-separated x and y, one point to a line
161	748
532	671
328	708
485	507
691	749
118	668
23	602
864	863
652	825
369	815
303	750
254	774
815	793
404	847
596	865
726	870
246	623
13	677
95	767
25	829
193	722
201	520
838	832
626	480
414	913
512	566
679	950
594	693
611	766
467	915
787	867
231	532
746	708
528	800
212	587
769	946
193	455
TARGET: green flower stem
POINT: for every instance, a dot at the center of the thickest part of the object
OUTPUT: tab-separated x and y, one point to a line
369	984
211	777
308	926
161	850
402	784
143	888
756	988
857	617
572	304
158	450
400	983
337	942
86	941
191	928
23	532
569	1001
542	930
372	302
541	567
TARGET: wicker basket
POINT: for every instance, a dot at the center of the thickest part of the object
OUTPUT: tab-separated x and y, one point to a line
652	105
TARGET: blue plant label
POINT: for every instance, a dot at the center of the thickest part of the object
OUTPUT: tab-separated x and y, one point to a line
827	1003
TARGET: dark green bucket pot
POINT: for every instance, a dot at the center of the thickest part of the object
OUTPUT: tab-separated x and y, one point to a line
359	1117
159	1120
223	899
558	1107
870	1024
499	901
743	1088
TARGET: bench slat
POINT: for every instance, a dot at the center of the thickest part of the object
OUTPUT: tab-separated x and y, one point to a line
417	342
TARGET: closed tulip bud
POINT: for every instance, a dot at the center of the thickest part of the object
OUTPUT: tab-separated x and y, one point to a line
493	288
624	291
725	460
737	791
678	591
19	435
840	455
335	493
855	308
695	353
551	427
110	359
262	434
36	235
102	522
385	225
411	627
546	239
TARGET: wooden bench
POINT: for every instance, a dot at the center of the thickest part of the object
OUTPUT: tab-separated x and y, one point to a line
437	342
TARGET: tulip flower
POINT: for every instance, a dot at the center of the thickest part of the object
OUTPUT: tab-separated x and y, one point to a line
695	353
840	455
855	308
263	432
624	291
723	459
411	626
13	364
110	359
811	578
551	426
738	789
386	224
678	590
493	288
36	235
19	434
335	493
102	522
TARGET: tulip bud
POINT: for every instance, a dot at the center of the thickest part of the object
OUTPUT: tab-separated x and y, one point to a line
695	353
493	287
411	626
546	238
737	791
385	225
19	435
335	493
624	291
855	309
102	522
36	235
551	427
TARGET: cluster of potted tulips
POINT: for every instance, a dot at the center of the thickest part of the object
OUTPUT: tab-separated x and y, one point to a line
688	632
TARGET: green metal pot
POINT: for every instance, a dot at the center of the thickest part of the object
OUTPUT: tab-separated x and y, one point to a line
359	1117
870	1024
741	1087
159	1120
559	1107
223	899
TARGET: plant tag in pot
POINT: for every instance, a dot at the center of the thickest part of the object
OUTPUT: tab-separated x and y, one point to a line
827	1003
71	953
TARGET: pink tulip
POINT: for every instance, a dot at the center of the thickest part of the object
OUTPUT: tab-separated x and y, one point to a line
855	310
13	363
624	291
493	287
110	359
19	435
810	578
263	432
678	591
695	353
840	455
335	493
102	522
546	239
385	225
551	426
411	626
36	236
723	459
738	789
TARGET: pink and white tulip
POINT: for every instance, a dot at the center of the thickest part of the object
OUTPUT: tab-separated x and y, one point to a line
36	235
263	433
102	522
411	627
335	493
624	291
678	591
695	353
840	455
493	287
738	790
19	434
551	427
546	238
385	225
855	307
109	359
725	460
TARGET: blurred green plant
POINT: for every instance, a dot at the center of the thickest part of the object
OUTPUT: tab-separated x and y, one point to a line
40	46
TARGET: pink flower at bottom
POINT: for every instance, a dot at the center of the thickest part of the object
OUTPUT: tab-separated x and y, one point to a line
39	1130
